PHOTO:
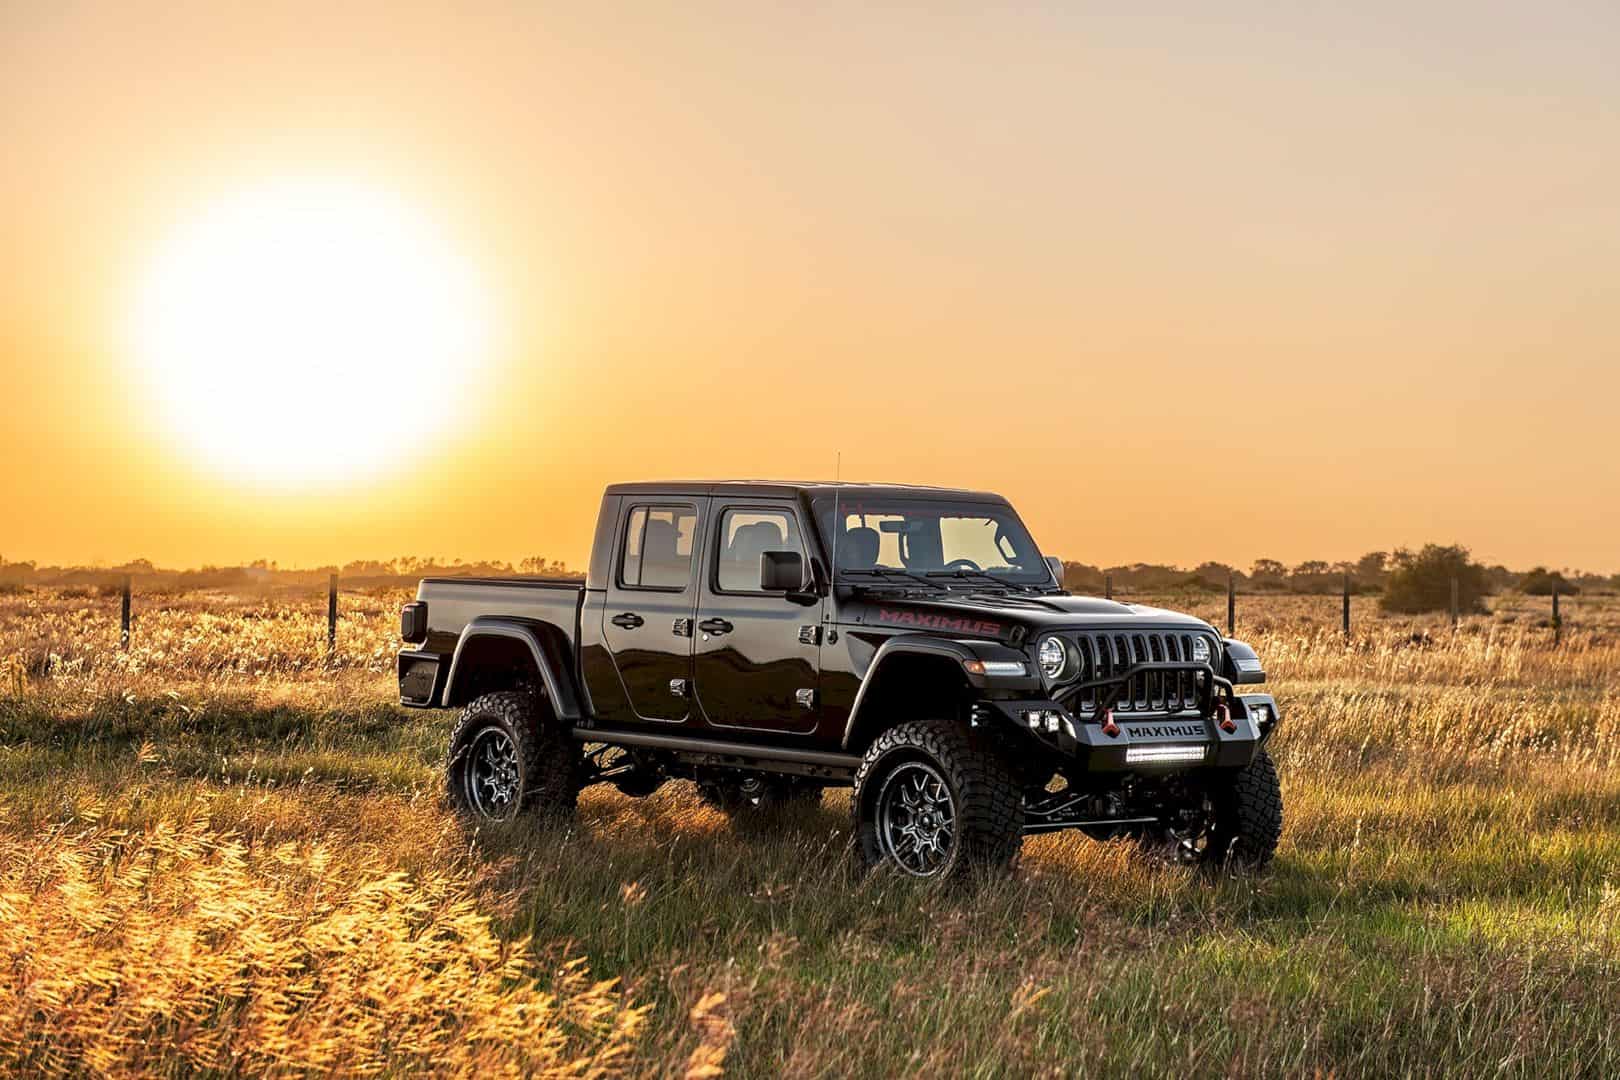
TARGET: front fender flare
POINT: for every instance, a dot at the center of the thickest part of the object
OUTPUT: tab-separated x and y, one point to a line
546	645
955	650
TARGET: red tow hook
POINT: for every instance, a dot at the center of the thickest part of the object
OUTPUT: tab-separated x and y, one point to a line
1224	711
1109	728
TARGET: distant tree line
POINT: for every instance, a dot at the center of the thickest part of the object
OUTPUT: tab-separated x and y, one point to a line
1406	581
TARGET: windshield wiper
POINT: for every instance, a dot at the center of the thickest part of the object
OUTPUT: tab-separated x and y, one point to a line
886	572
980	575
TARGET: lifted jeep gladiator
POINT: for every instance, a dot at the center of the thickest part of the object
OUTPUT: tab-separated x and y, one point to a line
767	640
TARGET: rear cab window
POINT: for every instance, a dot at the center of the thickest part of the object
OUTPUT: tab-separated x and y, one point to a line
658	545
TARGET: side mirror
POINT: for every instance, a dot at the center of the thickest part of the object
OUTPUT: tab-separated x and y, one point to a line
1055	564
781	571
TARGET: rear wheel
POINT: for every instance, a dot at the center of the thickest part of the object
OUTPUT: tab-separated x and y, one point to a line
934	801
509	755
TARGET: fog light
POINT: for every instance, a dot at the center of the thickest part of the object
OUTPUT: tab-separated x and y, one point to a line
1260	715
1147	755
1049	720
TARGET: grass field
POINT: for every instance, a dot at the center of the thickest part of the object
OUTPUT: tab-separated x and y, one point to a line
222	851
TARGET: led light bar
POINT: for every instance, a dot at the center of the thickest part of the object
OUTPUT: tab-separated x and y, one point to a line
1146	755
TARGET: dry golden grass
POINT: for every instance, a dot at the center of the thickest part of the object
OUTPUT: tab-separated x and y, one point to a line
223	851
176	947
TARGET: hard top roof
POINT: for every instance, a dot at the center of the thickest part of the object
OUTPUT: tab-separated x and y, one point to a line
786	488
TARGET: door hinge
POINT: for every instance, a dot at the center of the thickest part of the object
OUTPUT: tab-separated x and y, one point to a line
806	698
810	634
678	687
683	628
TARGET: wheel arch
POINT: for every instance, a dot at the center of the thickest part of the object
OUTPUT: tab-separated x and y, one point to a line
907	661
495	653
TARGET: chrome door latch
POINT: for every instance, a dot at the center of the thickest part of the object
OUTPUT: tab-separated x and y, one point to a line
683	628
810	634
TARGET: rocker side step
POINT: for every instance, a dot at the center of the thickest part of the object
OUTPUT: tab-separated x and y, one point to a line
718	752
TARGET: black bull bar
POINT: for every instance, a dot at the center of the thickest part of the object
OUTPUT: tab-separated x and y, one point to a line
1223	732
1212	690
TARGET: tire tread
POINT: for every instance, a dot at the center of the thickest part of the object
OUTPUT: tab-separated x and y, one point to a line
546	753
990	814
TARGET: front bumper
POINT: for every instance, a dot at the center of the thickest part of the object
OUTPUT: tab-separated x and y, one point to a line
1159	744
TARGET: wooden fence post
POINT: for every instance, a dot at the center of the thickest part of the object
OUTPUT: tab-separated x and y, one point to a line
1558	620
1347	607
331	614
123	616
1456	605
1108	586
1231	605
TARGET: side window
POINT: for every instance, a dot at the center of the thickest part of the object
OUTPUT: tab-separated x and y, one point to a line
745	535
658	547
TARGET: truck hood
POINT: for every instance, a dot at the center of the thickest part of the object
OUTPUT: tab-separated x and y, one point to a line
995	615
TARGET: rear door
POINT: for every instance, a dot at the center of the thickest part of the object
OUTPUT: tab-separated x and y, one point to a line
651	600
757	655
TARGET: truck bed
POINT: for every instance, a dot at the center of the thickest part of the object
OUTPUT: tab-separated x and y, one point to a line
453	602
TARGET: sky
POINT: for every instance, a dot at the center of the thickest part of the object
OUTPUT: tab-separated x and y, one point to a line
1186	282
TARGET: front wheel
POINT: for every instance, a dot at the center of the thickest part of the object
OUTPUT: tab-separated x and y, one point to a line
1232	823
1248	816
934	801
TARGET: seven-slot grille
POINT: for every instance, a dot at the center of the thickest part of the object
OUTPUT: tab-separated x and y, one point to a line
1106	654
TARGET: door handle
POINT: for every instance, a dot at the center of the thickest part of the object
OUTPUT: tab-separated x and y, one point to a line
715	626
629	620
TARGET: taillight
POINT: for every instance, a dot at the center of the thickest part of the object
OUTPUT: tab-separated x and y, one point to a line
413	624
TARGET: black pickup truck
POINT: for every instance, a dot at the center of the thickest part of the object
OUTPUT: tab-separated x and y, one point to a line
767	640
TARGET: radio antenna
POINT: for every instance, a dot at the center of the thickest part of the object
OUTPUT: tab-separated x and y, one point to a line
837	527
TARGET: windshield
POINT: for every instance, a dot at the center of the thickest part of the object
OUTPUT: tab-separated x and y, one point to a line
934	539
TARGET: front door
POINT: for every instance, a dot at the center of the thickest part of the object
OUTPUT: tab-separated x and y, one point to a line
651	596
757	655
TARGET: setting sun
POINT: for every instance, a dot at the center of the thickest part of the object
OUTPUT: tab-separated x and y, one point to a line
264	321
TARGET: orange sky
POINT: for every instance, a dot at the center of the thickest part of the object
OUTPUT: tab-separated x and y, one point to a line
1185	286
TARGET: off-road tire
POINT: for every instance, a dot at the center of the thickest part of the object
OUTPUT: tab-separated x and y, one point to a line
735	796
1248	817
546	756
988	801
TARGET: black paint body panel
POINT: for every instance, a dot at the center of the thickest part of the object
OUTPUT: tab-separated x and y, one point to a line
783	672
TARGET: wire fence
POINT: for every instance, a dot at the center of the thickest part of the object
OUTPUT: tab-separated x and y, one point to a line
1346	621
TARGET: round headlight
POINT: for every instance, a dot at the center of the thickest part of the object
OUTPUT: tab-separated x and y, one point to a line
1200	650
1053	658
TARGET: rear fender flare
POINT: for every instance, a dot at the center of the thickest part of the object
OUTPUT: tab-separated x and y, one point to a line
546	644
